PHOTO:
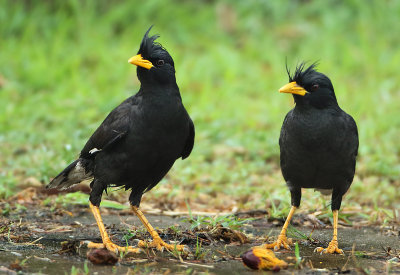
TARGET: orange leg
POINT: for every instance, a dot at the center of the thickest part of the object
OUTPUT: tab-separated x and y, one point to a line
282	240
333	246
107	243
157	241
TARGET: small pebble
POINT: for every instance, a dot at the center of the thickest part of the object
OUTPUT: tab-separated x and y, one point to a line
102	257
16	254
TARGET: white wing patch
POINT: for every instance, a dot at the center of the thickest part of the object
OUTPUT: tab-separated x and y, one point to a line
94	150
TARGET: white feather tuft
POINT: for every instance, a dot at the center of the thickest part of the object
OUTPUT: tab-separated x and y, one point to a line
75	175
94	150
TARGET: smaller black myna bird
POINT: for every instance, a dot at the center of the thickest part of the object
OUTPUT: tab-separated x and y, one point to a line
137	143
318	146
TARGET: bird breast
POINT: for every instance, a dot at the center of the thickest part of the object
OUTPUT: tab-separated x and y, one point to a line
311	131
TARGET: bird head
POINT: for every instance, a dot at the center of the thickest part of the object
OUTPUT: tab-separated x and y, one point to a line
310	87
154	63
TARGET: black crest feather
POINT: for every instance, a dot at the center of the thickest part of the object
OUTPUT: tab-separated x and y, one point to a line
300	72
148	45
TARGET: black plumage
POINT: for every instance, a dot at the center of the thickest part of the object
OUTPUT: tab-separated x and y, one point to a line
139	141
318	140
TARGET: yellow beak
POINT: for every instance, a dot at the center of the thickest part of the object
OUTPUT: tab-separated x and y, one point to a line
293	88
139	61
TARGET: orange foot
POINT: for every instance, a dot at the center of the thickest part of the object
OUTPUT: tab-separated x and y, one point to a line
282	241
159	244
331	249
109	245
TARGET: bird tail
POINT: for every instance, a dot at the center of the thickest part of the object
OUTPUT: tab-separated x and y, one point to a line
73	174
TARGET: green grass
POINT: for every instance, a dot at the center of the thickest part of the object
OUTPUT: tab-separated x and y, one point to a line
64	67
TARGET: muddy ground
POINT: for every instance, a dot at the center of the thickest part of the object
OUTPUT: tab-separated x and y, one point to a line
51	242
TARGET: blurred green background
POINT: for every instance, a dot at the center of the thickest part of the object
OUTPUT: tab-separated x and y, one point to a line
64	67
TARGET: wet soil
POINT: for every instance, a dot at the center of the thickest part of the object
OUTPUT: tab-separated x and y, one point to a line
48	242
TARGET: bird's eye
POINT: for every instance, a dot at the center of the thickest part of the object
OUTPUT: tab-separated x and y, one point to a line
314	87
160	62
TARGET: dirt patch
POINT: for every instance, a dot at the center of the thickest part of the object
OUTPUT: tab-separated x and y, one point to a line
51	242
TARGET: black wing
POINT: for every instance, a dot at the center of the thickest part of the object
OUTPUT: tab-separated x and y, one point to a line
350	144
353	139
284	154
189	141
111	131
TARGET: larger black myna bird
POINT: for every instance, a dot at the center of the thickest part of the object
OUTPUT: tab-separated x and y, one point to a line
137	143
318	144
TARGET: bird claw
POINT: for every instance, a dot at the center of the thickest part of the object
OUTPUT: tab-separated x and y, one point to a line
332	248
282	241
160	245
110	246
